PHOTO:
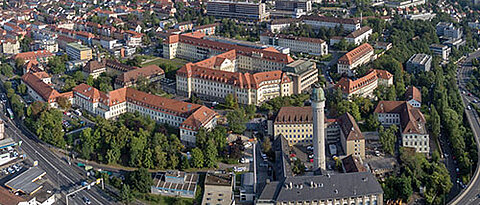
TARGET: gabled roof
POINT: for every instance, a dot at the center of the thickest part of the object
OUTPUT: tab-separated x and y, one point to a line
413	93
359	32
355	54
349	127
412	120
294	115
40	87
93	65
133	75
238	79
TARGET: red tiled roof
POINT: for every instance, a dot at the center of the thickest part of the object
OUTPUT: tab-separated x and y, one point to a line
7	198
93	65
355	54
383	74
350	86
412	119
238	79
133	75
294	115
45	91
196	115
33	55
413	93
196	39
349	127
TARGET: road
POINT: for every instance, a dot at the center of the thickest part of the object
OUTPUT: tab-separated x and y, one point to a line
470	194
64	177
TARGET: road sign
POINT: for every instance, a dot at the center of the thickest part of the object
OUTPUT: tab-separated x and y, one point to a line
35	163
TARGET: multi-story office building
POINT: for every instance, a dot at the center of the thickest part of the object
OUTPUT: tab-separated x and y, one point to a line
187	116
313	46
331	22
292	5
419	63
448	30
194	47
355	58
303	73
238	10
410	121
364	86
356	188
441	50
295	124
78	51
208	79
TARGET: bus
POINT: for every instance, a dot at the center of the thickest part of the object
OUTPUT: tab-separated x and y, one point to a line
10	113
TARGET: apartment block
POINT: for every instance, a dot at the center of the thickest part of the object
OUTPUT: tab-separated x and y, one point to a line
355	58
313	46
410	120
78	51
188	117
238	10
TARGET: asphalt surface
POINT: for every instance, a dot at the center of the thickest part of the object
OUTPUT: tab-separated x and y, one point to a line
471	193
65	178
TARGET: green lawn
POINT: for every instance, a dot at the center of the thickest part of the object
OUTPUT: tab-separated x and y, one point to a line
175	62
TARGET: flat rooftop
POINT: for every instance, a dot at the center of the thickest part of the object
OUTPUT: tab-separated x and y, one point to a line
189	184
25	182
79	47
7	142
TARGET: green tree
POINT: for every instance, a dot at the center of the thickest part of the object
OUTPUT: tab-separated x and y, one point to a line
236	120
126	194
57	64
88	143
22	89
434	121
140	180
388	138
90	81
231	101
48	127
197	158
210	154
266	144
